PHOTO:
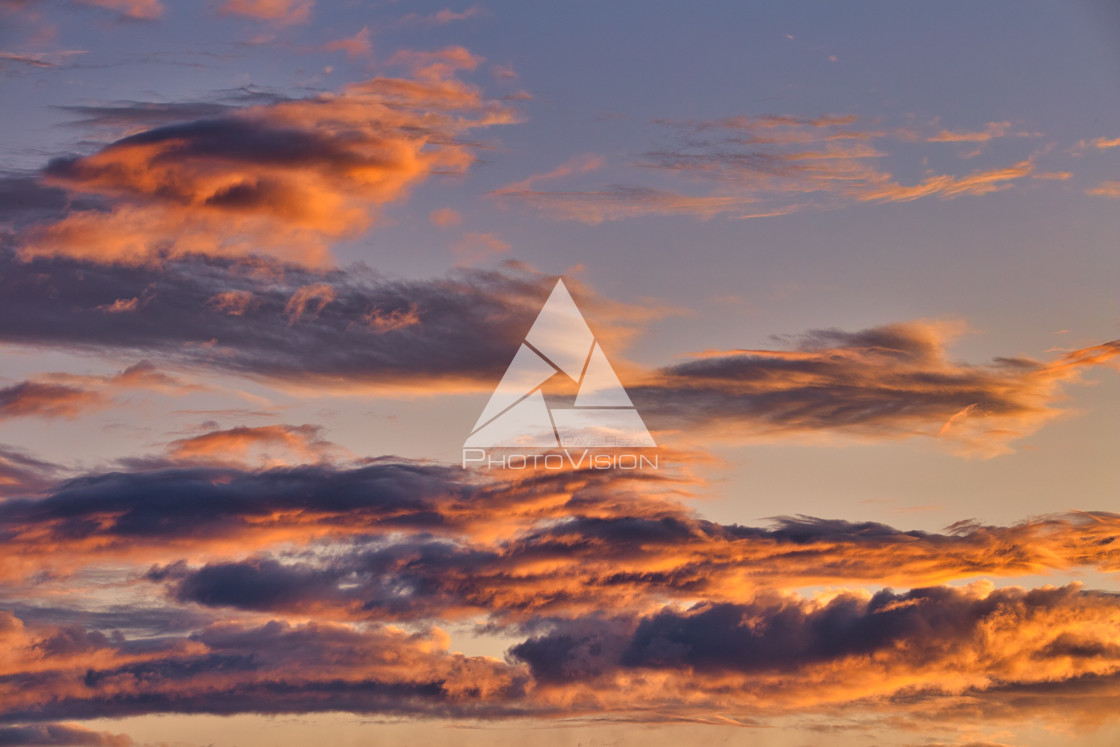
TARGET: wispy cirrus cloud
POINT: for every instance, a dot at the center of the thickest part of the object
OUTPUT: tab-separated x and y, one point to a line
748	167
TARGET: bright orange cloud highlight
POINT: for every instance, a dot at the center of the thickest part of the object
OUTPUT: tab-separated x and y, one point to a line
284	178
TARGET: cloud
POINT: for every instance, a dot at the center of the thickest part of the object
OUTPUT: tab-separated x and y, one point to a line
948	187
303	444
445	218
285	177
475	248
886	651
505	545
60	735
991	131
628	562
442	17
1105	189
886	382
23	474
355	47
908	654
140	10
750	167
284	12
230	668
290	325
32	60
30	398
60	395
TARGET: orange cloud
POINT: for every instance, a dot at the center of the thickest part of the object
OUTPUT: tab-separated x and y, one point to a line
62	395
283	178
356	46
990	132
947	187
40	399
473	248
1106	189
146	10
442	17
445	218
279	11
756	167
302	444
310	300
892	381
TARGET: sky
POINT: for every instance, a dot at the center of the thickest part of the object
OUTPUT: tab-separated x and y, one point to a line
264	262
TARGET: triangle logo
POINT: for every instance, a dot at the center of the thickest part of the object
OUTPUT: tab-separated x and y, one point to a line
559	344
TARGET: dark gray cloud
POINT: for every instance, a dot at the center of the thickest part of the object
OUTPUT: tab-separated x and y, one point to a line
354	327
886	382
787	635
59	735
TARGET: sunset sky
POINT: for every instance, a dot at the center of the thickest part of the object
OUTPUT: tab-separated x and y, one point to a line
263	262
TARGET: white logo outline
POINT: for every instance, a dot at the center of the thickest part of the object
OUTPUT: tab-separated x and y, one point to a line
559	343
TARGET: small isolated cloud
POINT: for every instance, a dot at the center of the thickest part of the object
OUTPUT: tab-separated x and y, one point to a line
992	131
269	445
1106	189
475	248
284	12
357	46
144	10
445	218
442	17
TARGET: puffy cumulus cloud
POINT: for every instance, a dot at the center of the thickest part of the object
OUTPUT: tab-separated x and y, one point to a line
585	564
161	513
763	166
53	672
890	381
400	540
973	650
588	564
283	12
888	650
283	177
282	590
